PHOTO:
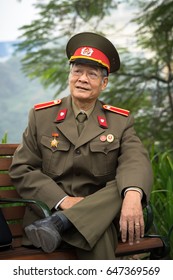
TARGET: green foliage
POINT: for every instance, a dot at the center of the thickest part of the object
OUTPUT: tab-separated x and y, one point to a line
162	193
144	84
45	38
4	138
128	89
145	81
155	35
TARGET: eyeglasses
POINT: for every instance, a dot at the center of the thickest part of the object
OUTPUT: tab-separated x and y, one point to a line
91	74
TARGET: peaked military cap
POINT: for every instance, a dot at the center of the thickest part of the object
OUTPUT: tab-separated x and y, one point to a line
94	49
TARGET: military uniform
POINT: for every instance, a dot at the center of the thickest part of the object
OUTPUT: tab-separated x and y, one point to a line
53	161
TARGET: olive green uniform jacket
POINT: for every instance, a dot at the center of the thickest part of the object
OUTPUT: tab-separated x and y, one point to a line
90	165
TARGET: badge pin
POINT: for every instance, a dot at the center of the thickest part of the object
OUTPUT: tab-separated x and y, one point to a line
54	142
103	138
110	138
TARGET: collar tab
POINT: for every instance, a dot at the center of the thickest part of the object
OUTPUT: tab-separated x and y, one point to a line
61	115
102	121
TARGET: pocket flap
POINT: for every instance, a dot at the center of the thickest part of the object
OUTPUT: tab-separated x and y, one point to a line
104	147
61	145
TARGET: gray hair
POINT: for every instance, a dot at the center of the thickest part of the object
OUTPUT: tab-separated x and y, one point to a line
103	71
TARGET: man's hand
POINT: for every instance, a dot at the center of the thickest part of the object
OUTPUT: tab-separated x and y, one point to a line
131	219
69	201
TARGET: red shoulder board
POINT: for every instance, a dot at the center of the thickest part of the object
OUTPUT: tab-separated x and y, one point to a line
47	104
117	110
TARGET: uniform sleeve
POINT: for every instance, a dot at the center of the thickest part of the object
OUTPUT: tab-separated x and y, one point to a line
26	170
134	166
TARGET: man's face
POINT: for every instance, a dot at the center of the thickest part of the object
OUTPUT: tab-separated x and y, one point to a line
86	82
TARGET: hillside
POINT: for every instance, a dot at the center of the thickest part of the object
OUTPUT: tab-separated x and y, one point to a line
17	95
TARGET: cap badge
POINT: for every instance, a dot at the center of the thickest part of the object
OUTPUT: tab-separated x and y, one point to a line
102	122
110	138
54	142
87	51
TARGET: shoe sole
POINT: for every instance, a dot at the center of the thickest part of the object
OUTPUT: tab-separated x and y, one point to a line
44	238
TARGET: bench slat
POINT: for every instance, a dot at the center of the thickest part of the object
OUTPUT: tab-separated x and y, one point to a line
14	212
5	163
145	245
23	253
5	193
5	180
8	149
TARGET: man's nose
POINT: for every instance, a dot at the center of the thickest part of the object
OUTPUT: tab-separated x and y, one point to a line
83	76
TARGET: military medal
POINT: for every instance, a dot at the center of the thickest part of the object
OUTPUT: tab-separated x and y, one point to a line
54	142
110	138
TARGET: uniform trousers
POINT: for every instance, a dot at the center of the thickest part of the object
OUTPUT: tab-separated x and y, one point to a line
94	235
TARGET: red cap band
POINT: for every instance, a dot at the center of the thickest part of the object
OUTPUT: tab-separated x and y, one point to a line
91	54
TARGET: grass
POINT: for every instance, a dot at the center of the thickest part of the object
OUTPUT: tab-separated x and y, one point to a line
162	194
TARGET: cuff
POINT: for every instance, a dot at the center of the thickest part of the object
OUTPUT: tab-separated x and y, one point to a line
134	189
57	205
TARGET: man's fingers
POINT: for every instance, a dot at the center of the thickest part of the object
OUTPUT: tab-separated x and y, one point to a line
142	226
123	229
137	228
134	231
131	231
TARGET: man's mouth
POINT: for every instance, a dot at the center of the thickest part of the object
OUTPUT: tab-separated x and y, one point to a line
82	88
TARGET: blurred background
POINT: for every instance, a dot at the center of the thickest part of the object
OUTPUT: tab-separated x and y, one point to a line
34	68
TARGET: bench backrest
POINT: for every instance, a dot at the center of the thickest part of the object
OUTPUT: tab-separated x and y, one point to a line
13	213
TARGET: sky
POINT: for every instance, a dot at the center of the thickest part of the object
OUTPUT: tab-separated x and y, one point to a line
13	15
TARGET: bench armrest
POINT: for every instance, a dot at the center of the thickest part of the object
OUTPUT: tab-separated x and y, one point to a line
148	217
45	211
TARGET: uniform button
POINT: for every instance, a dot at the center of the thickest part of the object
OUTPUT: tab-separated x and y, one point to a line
78	152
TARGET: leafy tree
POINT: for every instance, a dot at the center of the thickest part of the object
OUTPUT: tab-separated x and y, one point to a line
155	34
144	82
147	80
45	38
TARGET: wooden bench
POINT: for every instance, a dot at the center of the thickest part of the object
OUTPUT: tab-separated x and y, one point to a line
13	208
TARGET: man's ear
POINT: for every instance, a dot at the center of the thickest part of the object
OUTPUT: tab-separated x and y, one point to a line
104	82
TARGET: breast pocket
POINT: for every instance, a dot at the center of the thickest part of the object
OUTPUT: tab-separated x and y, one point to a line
54	158
104	157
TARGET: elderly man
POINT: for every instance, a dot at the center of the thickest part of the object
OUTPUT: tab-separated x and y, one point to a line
83	159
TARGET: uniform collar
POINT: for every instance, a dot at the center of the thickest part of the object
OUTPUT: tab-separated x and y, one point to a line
69	129
76	110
